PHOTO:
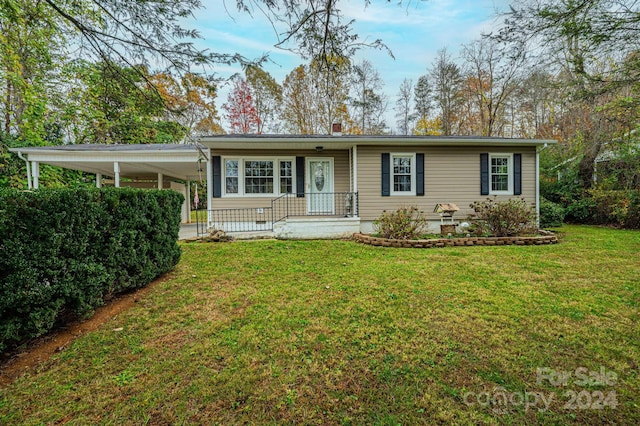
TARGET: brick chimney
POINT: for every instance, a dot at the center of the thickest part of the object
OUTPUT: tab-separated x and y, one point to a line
336	129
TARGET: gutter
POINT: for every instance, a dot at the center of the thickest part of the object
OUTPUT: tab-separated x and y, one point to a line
26	160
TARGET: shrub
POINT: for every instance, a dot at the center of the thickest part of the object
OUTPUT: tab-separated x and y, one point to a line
551	214
616	207
503	218
406	223
581	210
633	214
62	251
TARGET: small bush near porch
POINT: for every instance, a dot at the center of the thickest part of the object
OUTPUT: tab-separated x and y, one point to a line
332	332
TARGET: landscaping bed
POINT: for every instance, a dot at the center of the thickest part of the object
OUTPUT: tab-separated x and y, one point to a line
450	242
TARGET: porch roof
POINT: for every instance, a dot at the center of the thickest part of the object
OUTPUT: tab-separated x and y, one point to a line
306	142
178	161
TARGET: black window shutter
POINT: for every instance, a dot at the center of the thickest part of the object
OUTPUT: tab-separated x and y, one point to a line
517	174
484	174
386	171
419	174
216	162
299	176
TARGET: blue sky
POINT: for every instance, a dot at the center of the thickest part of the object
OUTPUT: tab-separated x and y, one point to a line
414	31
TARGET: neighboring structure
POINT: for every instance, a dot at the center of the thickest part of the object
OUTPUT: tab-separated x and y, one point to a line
326	186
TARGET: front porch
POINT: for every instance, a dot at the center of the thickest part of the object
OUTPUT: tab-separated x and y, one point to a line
289	216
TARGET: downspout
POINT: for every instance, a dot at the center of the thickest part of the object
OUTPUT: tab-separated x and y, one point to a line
26	160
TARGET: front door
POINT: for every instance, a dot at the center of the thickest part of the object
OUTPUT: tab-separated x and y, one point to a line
320	185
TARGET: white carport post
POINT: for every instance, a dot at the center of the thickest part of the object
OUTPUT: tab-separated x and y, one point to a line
160	180
116	174
187	190
35	173
98	180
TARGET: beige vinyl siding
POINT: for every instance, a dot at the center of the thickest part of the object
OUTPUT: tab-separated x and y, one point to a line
340	166
452	175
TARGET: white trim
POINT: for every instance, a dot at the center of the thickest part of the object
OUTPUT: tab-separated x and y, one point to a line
241	175
344	142
160	181
538	188
509	157
209	188
355	168
412	155
187	191
350	151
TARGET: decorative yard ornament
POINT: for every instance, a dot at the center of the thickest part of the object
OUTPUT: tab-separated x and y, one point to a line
319	177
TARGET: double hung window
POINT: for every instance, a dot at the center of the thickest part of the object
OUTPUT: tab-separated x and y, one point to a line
259	176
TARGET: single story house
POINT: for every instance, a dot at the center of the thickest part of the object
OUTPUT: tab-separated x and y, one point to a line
315	186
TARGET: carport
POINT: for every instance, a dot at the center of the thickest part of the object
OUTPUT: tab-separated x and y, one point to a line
162	166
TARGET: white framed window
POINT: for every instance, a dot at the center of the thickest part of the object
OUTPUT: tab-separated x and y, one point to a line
286	176
231	181
260	176
500	174
403	174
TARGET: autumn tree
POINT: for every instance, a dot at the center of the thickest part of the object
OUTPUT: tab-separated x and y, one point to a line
428	127
366	98
446	79
267	97
241	110
299	113
330	89
422	96
102	112
533	108
190	102
490	80
404	112
592	46
315	98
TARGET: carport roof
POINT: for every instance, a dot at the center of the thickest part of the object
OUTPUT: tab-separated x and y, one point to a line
178	161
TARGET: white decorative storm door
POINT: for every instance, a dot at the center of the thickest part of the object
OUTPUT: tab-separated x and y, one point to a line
320	186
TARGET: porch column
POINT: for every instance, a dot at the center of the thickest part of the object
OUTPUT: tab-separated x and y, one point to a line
116	174
538	186
187	190
98	180
355	168
35	173
209	187
160	180
29	185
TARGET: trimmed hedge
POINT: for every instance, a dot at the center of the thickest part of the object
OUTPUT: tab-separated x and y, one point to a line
62	251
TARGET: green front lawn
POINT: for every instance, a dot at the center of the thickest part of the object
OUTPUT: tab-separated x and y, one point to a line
333	332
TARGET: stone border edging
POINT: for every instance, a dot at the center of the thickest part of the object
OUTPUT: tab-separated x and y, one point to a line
451	242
